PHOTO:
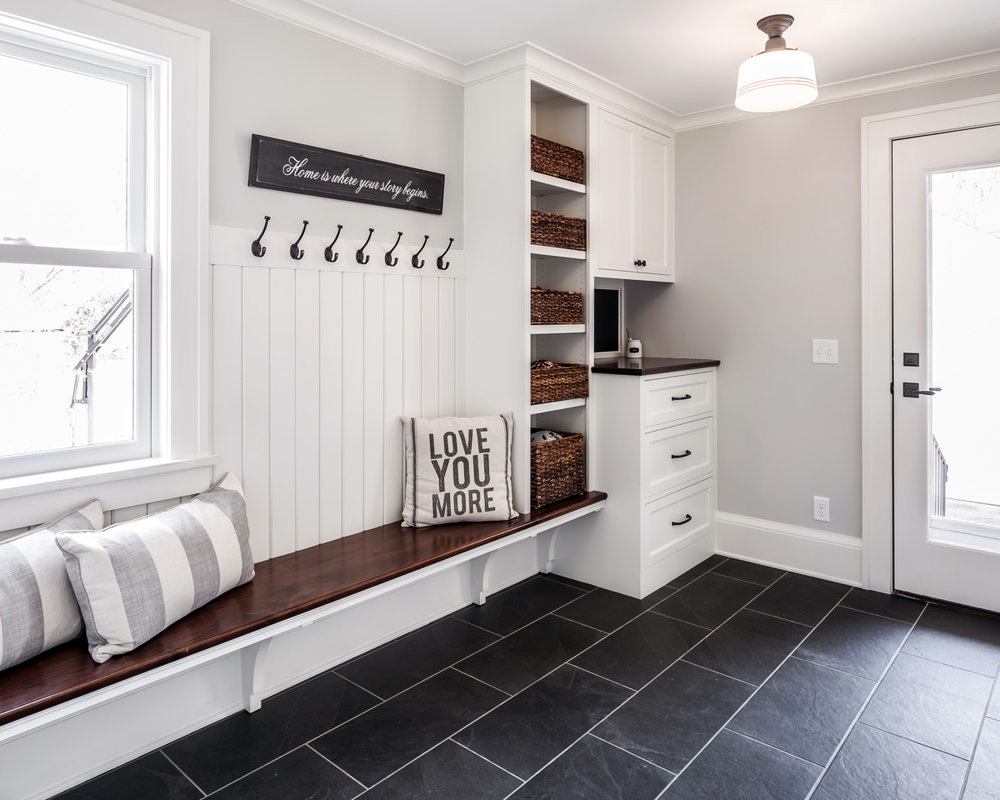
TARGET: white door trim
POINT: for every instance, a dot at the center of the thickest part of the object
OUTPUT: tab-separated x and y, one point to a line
877	135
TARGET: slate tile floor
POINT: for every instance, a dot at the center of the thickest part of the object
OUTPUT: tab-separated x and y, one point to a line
736	681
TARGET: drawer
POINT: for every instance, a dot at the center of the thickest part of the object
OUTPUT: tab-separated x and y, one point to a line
677	455
677	397
674	521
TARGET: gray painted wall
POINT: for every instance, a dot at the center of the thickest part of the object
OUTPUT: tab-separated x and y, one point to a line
768	258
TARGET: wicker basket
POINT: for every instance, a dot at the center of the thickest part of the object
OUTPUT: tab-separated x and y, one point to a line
557	160
557	469
563	382
552	307
556	230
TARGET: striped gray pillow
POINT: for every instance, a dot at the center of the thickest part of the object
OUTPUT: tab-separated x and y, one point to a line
37	607
135	579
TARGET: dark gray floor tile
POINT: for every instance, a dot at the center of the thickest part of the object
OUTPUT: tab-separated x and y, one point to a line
641	650
595	770
551	576
893	606
525	656
876	764
736	768
408	660
696	571
151	777
513	608
236	745
804	709
856	642
394	733
532	728
300	775
749	647
448	772
748	571
934	704
983	782
670	720
800	598
709	600
960	638
604	610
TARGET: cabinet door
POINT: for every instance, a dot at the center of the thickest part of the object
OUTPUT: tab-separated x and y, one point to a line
654	202
674	521
677	455
615	189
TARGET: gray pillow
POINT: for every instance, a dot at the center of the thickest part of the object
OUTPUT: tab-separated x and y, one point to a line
38	609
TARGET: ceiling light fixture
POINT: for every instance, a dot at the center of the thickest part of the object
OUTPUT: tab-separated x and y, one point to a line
778	78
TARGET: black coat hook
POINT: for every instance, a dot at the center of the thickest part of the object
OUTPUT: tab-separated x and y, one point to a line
255	246
360	255
294	249
389	260
441	264
414	259
328	254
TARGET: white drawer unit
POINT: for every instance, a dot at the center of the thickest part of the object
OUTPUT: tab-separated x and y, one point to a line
668	399
673	521
677	455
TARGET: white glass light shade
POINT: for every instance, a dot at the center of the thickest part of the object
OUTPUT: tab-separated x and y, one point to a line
776	80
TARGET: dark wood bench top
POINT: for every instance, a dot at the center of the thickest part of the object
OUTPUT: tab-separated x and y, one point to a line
283	587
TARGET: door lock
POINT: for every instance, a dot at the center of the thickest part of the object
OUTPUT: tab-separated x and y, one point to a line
914	390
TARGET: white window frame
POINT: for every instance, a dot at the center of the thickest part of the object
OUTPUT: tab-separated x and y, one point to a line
177	59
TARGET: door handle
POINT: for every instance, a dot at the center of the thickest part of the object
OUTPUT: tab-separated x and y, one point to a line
685	521
682	397
914	390
685	454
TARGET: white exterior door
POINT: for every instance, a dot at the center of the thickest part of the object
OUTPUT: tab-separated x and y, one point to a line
946	336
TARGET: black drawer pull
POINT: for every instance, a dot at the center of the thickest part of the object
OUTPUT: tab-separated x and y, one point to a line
685	521
685	454
683	397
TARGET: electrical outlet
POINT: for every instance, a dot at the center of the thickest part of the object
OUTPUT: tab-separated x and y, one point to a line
821	509
824	351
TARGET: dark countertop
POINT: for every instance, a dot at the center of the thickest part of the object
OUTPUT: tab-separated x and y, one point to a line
650	366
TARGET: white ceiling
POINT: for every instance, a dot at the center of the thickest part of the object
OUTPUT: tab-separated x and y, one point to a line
683	54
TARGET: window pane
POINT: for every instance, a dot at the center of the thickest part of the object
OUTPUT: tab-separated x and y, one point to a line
67	357
63	157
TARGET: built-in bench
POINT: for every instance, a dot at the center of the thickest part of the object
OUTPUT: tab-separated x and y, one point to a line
288	592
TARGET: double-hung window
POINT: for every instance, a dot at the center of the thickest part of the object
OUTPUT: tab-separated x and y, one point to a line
76	257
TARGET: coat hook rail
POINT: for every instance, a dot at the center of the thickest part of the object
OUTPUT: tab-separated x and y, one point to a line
294	250
440	260
360	255
413	260
255	246
328	254
389	260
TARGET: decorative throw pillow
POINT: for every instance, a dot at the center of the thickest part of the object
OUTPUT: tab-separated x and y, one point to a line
37	607
135	579
457	469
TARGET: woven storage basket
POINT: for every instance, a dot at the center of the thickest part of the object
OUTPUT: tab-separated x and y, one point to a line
557	160
553	307
555	230
557	469
564	382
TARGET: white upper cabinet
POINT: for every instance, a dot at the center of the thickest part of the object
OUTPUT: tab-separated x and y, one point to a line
633	222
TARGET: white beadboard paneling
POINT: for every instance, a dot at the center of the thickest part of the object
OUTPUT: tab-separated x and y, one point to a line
331	410
354	403
307	377
392	397
256	409
446	347
374	419
460	322
127	514
429	397
227	378
282	411
163	505
412	347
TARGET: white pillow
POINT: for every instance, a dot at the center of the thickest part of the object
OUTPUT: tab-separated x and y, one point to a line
135	579
38	609
457	469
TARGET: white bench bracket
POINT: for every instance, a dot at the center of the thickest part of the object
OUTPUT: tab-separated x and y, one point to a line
254	660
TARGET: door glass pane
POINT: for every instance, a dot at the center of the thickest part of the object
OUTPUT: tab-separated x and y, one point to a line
965	343
67	357
63	157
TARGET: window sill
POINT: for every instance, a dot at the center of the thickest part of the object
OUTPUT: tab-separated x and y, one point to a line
35	499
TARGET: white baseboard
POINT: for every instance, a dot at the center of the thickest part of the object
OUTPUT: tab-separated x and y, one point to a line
833	556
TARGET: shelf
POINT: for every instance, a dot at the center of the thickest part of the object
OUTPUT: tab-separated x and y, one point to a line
542	185
557	252
559	405
558	329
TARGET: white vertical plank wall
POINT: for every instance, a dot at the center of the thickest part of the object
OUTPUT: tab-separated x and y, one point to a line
313	368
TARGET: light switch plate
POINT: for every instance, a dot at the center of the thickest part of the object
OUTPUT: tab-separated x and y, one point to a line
824	351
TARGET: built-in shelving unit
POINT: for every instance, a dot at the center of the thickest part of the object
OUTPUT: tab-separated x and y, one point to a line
542	184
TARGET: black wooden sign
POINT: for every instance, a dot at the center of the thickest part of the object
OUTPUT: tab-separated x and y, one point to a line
292	167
